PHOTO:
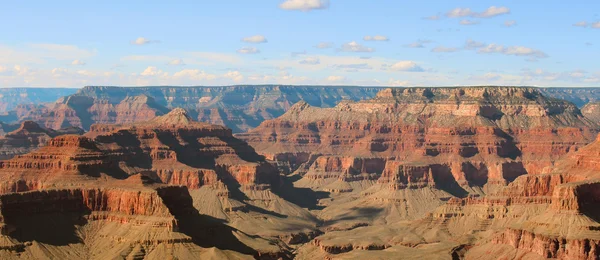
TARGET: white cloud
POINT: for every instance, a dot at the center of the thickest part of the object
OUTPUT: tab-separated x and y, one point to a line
376	38
78	63
335	78
460	12
397	83
467	12
468	22
310	61
355	47
581	24
152	71
432	18
596	25
471	45
410	66
418	44
324	45
255	39
142	41
510	23
236	76
3	69
304	5
177	62
493	11
194	75
512	50
248	50
443	49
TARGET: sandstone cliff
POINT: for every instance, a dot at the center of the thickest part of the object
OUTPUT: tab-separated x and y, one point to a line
28	137
109	194
237	107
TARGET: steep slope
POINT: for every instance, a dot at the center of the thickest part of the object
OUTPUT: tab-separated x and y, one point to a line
28	137
237	107
409	150
552	213
592	111
7	128
115	185
10	98
82	111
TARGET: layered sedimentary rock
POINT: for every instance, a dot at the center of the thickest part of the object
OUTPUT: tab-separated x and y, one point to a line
82	111
10	98
28	137
237	107
182	151
592	111
478	135
401	155
109	193
7	128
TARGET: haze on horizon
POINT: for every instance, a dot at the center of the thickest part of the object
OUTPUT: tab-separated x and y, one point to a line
300	42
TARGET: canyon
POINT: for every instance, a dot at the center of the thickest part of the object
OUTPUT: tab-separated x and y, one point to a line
283	172
240	108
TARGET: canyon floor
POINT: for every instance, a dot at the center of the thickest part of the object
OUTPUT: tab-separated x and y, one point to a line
406	173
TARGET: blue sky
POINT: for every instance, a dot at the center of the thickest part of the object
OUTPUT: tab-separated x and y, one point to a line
304	42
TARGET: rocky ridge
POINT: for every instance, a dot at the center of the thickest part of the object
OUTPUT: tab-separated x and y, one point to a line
28	137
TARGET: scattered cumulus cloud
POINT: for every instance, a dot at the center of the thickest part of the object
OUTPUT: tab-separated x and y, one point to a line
77	63
355	47
584	24
310	61
376	38
324	45
151	71
304	5
512	50
433	17
409	66
177	62
255	39
142	41
335	78
492	11
471	44
510	23
248	50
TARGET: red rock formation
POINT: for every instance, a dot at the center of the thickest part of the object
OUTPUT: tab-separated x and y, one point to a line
480	135
182	151
28	137
112	177
82	111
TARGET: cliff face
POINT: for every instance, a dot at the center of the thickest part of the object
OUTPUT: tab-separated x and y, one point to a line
238	107
108	193
592	111
28	137
477	135
10	98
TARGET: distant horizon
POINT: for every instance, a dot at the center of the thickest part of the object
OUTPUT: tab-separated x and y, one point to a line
287	85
